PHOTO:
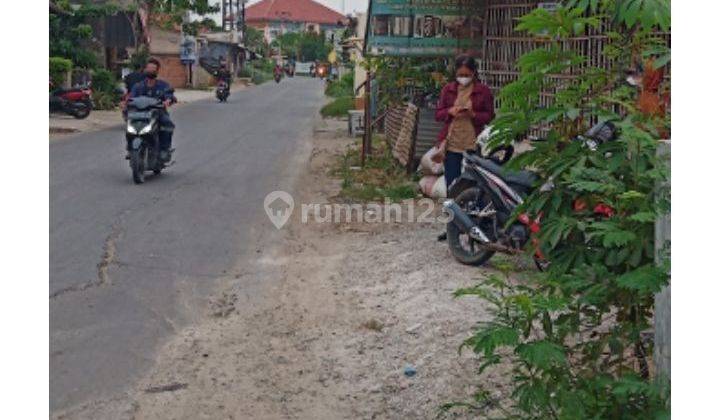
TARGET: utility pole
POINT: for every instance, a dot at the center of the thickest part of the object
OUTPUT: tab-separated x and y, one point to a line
243	36
244	25
367	139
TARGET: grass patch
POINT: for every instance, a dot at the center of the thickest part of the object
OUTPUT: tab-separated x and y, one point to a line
342	87
381	177
338	108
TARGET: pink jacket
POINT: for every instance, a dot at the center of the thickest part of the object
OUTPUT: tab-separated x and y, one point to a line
482	106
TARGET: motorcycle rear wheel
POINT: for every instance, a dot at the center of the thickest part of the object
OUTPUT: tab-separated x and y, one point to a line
81	111
463	248
137	164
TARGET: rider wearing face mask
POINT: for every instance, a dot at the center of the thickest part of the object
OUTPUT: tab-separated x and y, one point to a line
465	106
156	88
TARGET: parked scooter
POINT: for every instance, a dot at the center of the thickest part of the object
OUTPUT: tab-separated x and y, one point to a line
222	92
75	101
484	197
142	134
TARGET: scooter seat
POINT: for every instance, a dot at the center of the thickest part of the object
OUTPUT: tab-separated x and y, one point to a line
521	178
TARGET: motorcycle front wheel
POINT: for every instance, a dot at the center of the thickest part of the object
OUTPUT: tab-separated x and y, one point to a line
465	249
137	164
81	111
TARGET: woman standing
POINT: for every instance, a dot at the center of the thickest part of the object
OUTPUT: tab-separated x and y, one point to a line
465	107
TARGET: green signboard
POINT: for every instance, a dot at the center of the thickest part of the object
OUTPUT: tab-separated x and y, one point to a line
424	27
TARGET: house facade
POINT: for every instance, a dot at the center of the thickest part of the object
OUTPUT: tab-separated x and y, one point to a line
277	17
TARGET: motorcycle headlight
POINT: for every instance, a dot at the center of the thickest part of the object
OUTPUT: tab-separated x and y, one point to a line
146	129
131	129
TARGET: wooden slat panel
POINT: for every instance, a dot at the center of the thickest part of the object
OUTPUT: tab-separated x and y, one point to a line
503	46
393	122
427	131
402	149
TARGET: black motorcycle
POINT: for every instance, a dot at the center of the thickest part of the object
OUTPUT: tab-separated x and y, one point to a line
482	200
142	134
222	92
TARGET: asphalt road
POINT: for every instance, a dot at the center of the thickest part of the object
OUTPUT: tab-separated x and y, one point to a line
131	264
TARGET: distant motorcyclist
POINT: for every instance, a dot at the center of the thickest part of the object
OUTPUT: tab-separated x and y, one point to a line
224	75
160	89
278	72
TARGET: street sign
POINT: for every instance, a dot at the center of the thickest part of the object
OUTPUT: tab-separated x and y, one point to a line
424	27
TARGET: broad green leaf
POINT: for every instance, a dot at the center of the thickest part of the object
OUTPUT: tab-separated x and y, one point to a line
631	194
618	238
631	12
489	338
542	354
642	217
645	279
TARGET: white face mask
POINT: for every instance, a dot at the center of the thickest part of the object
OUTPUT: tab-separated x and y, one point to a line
464	81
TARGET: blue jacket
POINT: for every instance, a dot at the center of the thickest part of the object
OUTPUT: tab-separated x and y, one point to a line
160	90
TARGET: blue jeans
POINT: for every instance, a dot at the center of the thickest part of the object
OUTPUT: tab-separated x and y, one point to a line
452	167
167	127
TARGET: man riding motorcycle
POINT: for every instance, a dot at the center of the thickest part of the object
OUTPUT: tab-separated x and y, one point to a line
153	87
129	80
224	75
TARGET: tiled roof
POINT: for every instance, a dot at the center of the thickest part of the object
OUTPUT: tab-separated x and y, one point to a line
292	11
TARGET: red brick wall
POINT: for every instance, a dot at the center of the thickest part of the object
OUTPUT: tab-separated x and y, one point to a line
172	70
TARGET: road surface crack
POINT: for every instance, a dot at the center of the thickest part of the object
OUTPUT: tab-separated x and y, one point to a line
108	255
108	258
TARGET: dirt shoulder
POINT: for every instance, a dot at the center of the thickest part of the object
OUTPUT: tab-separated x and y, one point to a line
346	309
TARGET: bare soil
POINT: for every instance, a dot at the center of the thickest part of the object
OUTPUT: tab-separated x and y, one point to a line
347	308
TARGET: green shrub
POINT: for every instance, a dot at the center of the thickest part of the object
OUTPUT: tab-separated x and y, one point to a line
86	59
104	85
103	81
574	335
381	177
338	108
139	58
265	65
104	100
259	70
342	87
259	77
59	68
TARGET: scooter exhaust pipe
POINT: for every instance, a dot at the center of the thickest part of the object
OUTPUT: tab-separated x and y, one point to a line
463	222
